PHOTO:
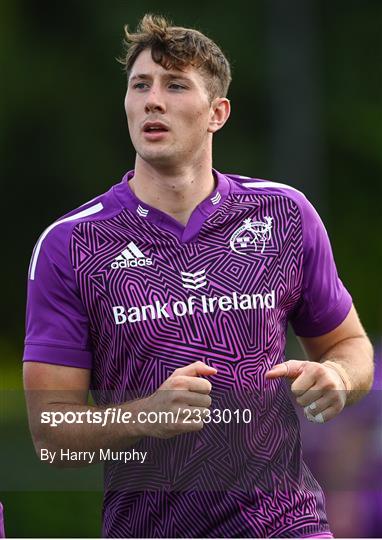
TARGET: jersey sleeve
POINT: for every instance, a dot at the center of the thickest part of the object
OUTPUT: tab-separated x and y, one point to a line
57	325
324	301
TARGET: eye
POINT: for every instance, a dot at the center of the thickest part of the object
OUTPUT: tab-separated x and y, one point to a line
140	85
176	86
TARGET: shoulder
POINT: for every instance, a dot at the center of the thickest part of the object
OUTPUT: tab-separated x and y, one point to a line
258	187
54	240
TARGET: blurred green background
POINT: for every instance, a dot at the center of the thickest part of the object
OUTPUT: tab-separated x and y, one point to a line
306	110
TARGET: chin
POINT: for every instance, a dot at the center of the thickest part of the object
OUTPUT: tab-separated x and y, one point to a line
158	158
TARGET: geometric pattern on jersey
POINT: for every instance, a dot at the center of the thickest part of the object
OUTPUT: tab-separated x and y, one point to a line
250	477
121	288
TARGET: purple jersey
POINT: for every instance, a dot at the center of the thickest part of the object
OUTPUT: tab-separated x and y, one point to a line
2	532
123	289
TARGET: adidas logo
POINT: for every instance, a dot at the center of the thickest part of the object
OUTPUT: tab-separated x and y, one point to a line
194	280
131	257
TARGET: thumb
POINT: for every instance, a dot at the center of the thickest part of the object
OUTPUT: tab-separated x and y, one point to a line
290	369
195	369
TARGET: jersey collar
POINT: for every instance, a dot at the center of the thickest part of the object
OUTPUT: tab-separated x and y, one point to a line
201	213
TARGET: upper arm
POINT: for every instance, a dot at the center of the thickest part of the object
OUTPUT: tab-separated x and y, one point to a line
351	327
58	352
49	384
42	377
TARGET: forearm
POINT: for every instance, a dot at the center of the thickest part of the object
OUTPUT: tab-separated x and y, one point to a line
166	413
355	356
85	435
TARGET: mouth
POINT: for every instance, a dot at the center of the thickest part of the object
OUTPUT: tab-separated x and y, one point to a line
154	127
154	130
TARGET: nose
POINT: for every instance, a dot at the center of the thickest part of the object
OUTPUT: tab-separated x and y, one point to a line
154	101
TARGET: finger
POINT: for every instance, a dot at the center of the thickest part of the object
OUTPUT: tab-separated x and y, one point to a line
323	416
195	369
193	384
329	399
290	369
317	419
195	399
305	383
192	426
312	395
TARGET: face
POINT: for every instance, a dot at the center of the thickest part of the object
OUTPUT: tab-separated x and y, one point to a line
170	116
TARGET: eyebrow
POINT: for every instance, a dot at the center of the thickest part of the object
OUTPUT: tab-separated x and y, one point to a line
168	75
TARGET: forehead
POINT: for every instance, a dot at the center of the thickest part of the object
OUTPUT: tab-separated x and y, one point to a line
145	65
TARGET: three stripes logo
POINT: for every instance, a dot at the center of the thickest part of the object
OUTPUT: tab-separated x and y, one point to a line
131	257
194	280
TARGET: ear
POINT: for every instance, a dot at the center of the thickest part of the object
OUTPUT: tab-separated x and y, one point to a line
220	111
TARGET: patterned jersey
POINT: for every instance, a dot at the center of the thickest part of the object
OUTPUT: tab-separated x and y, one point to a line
123	289
2	532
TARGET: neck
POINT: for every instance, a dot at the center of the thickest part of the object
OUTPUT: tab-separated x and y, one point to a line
177	191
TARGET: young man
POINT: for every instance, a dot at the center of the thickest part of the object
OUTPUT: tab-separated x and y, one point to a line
172	292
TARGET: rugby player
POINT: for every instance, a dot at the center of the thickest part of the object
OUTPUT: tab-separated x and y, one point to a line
172	291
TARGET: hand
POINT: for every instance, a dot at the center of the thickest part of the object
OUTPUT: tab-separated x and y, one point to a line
182	392
318	388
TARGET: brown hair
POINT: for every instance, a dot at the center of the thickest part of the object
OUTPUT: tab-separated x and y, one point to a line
174	47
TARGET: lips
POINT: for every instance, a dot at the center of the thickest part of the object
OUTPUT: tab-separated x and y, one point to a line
154	127
155	131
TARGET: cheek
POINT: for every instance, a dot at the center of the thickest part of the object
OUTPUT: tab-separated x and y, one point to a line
126	104
129	107
201	121
195	119
132	122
